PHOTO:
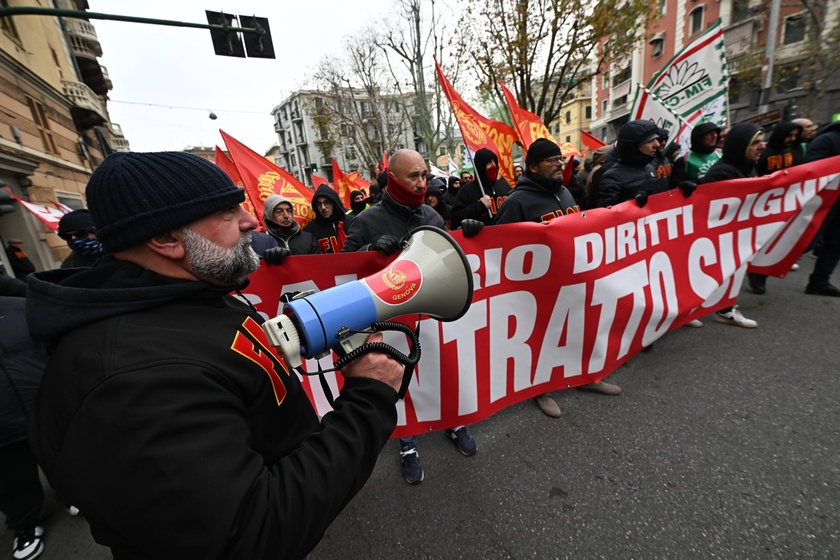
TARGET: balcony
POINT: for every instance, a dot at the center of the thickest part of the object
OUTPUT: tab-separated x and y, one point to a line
82	30
87	108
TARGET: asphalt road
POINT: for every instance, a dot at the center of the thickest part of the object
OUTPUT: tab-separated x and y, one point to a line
725	444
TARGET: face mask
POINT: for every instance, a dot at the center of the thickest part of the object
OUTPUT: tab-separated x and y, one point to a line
86	247
492	172
358	206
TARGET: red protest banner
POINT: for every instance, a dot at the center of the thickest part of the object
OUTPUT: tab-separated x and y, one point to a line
564	304
49	215
480	132
262	178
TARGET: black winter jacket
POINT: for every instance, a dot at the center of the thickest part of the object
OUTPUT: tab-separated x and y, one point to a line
22	362
826	144
530	202
388	218
733	163
166	417
633	172
777	155
467	203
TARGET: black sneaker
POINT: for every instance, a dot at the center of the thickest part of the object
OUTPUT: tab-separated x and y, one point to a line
757	282
827	290
462	440
411	469
28	544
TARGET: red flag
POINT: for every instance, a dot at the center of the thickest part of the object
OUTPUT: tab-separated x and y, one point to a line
262	178
228	167
567	149
480	132
50	216
527	124
343	184
317	181
567	171
383	165
358	183
591	142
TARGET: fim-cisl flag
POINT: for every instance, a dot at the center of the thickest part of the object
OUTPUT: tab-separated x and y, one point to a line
229	167
262	178
529	126
480	132
696	77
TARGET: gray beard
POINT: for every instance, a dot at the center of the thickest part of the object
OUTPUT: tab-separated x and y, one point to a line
226	267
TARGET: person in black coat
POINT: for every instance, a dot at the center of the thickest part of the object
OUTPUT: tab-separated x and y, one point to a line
22	363
328	225
279	217
638	142
79	231
436	198
783	149
480	199
21	265
741	150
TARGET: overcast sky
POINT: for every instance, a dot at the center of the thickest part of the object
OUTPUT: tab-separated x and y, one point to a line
156	70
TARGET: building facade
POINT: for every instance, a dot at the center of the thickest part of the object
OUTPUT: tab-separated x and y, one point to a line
746	25
54	126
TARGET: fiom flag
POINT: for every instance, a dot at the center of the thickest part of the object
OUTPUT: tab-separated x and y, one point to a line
529	126
480	132
263	178
229	167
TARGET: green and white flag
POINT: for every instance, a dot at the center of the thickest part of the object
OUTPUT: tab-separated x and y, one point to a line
696	78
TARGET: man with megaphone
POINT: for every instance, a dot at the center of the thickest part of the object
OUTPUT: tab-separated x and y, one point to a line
164	414
380	228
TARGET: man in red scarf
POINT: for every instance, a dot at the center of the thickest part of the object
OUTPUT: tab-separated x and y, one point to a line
380	228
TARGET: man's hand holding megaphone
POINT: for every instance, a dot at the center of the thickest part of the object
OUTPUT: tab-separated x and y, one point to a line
376	366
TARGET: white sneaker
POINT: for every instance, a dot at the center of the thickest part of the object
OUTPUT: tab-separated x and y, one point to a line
73	510
794	267
734	317
694	323
28	544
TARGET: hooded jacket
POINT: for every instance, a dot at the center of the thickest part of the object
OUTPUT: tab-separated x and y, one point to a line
532	202
828	145
633	173
166	417
733	163
451	193
388	218
776	154
468	204
297	241
329	233
699	159
443	208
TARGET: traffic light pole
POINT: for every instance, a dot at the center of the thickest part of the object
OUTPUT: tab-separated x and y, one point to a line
770	55
257	30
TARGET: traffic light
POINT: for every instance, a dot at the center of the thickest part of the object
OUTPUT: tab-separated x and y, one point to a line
789	111
314	167
6	200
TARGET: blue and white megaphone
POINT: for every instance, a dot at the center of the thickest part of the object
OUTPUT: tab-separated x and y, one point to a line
431	276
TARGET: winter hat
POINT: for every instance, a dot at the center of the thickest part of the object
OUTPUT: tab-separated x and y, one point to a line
134	196
271	202
77	220
355	193
541	149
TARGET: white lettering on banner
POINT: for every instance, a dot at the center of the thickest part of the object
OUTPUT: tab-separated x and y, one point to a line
522	263
512	319
663	291
463	333
608	290
567	319
615	243
425	386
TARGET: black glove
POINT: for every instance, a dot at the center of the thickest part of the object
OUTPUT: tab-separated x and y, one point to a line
471	227
275	255
641	199
388	244
688	187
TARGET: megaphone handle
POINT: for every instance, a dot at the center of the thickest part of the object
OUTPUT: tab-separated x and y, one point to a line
408	361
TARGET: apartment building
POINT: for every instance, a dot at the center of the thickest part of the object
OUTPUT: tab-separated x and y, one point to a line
746	25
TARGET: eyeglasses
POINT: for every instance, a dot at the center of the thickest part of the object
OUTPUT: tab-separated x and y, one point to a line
323	203
556	160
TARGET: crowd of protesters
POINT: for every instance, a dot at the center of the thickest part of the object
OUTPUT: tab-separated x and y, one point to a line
173	251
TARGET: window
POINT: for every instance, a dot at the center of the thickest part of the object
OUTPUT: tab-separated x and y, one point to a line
795	28
568	138
603	107
39	115
696	19
619	101
588	111
71	200
568	117
606	80
7	24
657	45
623	76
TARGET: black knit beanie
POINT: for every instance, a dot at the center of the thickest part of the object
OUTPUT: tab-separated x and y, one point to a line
541	149
77	220
133	196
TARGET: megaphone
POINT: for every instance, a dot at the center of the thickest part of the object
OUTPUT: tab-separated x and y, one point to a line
430	276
